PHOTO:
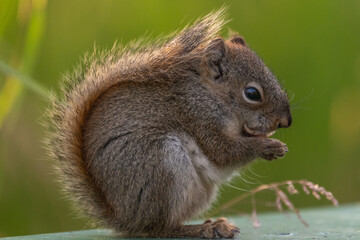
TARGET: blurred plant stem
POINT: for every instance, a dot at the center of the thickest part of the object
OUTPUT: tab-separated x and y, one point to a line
31	16
25	80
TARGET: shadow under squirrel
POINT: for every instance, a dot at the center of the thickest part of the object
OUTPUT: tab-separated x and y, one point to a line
144	135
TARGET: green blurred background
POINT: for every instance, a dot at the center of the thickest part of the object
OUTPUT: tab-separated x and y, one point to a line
312	46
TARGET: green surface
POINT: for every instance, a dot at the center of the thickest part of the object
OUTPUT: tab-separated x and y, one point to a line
326	222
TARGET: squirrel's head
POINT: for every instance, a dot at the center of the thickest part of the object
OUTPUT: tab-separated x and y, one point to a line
241	78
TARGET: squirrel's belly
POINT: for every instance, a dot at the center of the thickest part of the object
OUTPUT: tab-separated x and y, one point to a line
206	170
197	179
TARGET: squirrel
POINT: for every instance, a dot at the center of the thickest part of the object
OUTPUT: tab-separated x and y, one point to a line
145	134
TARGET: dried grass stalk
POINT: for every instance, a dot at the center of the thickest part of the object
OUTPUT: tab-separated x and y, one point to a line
255	219
281	197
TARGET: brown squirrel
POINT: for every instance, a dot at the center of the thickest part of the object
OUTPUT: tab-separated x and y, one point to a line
145	135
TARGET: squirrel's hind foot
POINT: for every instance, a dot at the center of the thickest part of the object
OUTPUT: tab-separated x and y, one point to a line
219	228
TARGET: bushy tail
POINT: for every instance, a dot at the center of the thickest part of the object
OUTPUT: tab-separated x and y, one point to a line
100	72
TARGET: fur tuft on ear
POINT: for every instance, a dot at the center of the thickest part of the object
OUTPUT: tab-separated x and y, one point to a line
238	40
235	38
214	57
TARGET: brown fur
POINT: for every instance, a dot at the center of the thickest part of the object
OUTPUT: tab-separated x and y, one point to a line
145	135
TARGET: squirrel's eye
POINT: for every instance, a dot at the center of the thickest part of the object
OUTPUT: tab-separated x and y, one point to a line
252	94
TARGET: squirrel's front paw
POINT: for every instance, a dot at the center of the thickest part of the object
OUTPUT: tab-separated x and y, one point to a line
272	149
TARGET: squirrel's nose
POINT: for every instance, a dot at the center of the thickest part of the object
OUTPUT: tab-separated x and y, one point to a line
285	122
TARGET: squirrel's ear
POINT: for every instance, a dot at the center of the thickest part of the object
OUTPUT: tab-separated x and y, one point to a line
238	40
215	57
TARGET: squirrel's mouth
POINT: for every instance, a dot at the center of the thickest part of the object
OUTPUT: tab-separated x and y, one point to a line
248	132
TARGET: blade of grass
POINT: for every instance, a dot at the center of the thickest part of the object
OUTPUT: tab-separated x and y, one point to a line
8	95
24	79
35	27
34	34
